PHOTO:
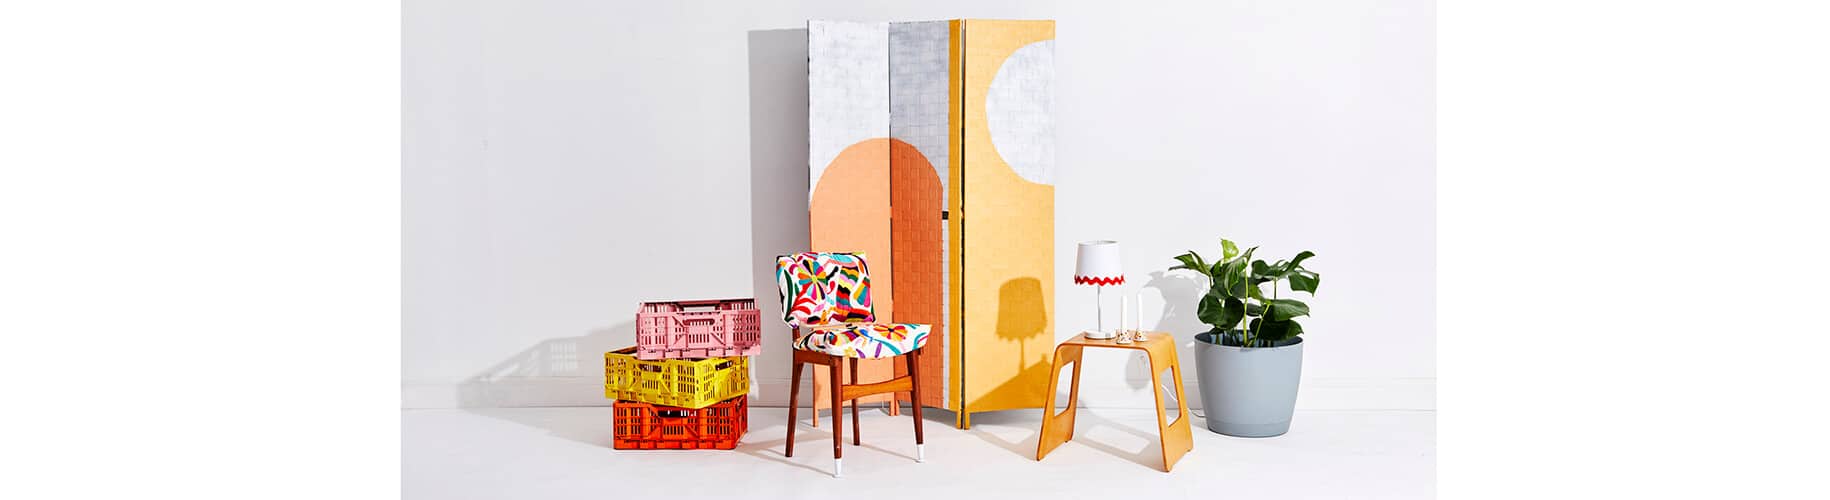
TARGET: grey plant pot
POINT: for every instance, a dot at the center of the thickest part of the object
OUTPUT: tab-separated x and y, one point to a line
1248	392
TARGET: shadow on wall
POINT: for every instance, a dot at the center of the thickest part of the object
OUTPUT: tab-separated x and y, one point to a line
569	371
1022	317
778	182
1181	292
561	371
1021	314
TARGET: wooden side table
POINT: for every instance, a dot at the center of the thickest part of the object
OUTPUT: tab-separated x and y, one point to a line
1177	437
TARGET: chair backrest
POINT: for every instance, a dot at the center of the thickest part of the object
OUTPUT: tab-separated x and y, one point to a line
824	288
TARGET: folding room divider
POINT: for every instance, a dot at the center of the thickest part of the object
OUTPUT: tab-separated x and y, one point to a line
932	152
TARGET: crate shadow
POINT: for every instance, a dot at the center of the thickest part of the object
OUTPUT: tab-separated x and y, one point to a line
593	428
557	372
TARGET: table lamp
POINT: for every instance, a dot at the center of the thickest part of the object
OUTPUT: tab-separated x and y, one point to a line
1097	264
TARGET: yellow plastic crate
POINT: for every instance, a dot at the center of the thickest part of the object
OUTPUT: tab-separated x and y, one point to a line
686	383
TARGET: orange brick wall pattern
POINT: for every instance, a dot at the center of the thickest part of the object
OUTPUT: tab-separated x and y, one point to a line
847	214
916	201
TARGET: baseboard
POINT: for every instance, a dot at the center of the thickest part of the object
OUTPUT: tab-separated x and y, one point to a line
1314	394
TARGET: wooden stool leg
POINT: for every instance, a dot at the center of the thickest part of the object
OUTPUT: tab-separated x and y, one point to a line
838	418
914	359
1175	439
1180	430
794	394
1074	395
1058	428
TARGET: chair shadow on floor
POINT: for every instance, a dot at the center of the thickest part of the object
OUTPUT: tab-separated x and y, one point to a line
809	439
771	450
1150	457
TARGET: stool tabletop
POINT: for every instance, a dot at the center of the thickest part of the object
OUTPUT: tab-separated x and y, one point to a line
1154	341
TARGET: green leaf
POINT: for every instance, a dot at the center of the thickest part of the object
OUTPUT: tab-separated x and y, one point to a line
1272	332
1260	269
1236	282
1305	281
1227	279
1254	309
1297	263
1190	261
1232	312
1228	249
1222	314
1286	309
1208	310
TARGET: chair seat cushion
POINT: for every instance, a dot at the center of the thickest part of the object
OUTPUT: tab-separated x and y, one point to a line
865	340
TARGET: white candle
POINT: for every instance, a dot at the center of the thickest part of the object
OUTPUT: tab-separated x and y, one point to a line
1124	313
1137	315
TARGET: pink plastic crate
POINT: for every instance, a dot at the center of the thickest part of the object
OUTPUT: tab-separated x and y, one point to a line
698	329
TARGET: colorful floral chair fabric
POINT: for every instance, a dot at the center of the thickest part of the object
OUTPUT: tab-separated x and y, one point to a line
829	293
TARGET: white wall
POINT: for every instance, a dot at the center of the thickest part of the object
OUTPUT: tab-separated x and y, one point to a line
566	159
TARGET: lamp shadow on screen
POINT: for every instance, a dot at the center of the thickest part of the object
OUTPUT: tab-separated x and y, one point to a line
1022	319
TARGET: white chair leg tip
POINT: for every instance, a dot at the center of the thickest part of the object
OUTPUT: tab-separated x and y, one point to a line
921	454
838	468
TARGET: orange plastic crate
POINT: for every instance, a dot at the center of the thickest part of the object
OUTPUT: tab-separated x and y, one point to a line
698	329
643	426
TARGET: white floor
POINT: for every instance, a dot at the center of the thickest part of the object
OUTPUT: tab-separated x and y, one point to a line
533	453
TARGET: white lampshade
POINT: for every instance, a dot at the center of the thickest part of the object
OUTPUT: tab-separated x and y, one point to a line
1097	264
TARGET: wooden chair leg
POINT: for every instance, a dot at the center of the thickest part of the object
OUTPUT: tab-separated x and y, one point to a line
856	439
838	419
914	359
794	394
813	413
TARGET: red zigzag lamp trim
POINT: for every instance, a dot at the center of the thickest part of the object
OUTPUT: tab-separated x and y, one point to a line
1099	280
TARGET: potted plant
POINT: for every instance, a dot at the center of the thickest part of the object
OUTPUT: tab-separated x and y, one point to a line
1249	374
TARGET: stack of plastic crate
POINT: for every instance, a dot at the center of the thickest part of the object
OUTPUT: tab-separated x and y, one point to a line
684	384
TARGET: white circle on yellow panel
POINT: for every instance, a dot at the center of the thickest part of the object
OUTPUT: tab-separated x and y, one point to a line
1020	111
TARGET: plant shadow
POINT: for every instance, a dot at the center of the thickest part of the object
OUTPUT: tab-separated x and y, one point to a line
1180	292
